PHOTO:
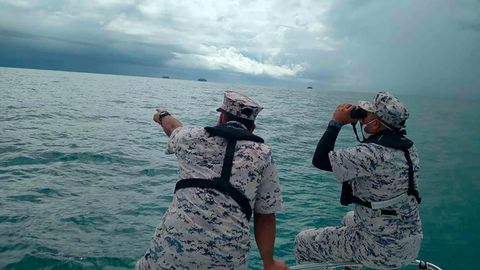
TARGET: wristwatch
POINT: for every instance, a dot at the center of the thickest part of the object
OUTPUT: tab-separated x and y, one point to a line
335	124
163	114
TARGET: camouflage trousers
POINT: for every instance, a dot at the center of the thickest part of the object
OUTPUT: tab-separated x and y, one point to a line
175	245
346	245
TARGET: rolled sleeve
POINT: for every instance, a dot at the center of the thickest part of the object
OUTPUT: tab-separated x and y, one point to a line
350	163
269	199
174	140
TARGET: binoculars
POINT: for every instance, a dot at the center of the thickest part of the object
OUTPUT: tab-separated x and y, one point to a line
358	113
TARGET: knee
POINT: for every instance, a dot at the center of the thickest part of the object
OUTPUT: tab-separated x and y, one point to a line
300	245
300	239
306	245
348	219
141	264
305	242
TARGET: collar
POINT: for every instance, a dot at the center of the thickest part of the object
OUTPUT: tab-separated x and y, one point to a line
236	123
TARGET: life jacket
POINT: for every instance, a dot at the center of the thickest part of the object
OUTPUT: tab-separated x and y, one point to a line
233	132
395	140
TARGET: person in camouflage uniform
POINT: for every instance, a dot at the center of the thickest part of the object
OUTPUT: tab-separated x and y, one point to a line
386	232
204	228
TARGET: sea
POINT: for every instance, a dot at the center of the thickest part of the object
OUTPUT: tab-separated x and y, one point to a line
84	177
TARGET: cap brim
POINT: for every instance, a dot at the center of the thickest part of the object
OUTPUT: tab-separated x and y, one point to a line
367	106
219	110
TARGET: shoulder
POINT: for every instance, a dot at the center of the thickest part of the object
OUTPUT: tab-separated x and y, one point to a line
413	150
414	155
260	150
185	137
188	133
257	146
363	149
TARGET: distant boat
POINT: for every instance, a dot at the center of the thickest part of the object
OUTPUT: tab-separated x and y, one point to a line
309	87
202	80
165	77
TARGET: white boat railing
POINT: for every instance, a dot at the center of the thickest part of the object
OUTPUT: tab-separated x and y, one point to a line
317	266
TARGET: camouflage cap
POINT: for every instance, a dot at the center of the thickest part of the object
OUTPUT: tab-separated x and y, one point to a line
388	108
240	106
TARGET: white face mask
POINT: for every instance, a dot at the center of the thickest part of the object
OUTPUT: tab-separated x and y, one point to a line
365	133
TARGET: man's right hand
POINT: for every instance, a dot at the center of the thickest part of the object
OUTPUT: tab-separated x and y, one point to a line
342	114
168	123
156	116
276	265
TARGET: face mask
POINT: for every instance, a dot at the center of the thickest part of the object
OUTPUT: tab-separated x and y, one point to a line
365	133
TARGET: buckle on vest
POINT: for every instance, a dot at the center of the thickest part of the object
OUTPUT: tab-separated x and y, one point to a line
387	203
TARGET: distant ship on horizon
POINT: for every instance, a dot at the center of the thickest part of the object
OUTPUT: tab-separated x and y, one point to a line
202	80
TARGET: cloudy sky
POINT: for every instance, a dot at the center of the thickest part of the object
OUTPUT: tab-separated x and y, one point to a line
411	46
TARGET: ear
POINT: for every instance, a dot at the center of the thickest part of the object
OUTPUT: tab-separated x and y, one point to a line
252	128
377	125
221	118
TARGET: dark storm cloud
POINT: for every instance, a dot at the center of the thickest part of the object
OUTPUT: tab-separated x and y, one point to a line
427	47
409	46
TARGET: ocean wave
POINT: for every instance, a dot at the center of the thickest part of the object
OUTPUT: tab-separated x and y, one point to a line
83	157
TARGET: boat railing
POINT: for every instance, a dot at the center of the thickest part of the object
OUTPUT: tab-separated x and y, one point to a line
316	266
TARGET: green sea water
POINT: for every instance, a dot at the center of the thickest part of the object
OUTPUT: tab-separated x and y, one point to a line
84	178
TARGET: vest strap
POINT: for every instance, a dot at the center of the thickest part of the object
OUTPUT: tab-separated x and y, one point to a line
217	184
228	161
411	185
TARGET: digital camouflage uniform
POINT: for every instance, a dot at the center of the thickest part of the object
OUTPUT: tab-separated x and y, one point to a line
377	173
204	228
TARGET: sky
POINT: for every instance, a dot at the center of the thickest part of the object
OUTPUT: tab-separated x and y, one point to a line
408	46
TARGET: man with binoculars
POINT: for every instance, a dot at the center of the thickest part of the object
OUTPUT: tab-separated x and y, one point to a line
379	176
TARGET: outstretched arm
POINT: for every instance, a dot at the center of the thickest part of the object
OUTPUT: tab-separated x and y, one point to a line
264	227
168	123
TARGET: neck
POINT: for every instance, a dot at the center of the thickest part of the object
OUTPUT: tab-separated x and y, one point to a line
235	123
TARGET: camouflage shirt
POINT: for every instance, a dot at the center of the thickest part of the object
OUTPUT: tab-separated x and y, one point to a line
203	228
379	173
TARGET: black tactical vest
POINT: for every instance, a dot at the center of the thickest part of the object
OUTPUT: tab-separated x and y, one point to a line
390	139
233	132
